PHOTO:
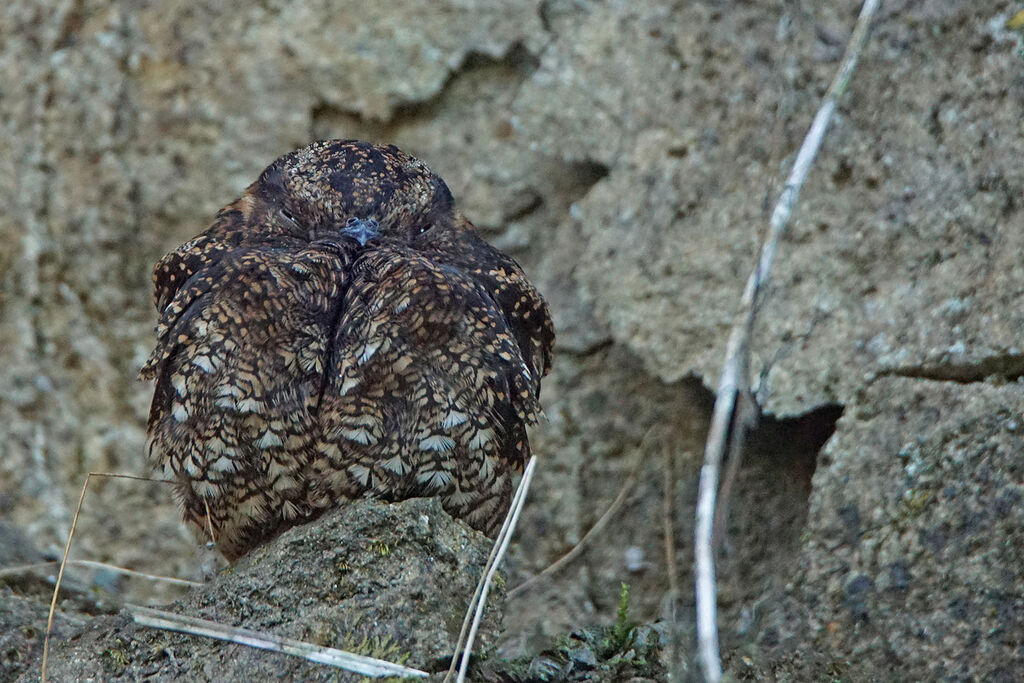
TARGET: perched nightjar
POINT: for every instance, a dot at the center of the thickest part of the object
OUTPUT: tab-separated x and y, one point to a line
341	331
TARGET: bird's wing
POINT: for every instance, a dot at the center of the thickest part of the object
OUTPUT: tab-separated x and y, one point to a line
179	266
524	309
526	312
427	391
239	368
181	276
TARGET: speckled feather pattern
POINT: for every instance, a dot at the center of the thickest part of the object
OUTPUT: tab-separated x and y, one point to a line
297	367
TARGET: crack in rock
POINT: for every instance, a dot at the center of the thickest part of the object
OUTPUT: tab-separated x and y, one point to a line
1006	366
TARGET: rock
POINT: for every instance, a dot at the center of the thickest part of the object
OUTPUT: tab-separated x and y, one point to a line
626	152
928	584
390	581
22	621
15	547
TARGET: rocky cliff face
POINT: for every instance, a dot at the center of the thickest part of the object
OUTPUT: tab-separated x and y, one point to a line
625	153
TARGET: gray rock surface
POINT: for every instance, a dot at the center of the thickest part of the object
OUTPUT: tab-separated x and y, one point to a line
387	581
625	152
916	567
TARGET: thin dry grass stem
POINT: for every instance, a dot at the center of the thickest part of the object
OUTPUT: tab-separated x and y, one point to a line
668	522
504	539
745	417
209	523
467	619
360	664
735	369
67	549
670	602
598	527
22	569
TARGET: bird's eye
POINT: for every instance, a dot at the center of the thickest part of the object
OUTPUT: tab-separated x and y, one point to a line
287	215
423	228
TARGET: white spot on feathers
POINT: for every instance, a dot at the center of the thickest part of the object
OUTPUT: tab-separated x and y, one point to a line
360	473
205	488
437	442
434	479
248	405
358	435
481	438
460	497
349	384
226	402
368	351
223	464
268	440
203	363
395	464
454	418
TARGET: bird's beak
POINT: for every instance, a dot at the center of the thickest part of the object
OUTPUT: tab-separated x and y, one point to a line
362	230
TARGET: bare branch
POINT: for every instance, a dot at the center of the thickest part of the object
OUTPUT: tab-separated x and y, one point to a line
735	369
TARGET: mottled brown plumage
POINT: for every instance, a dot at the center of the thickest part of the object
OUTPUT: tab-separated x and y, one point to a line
340	331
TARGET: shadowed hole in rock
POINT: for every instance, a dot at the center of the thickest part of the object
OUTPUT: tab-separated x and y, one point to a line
768	513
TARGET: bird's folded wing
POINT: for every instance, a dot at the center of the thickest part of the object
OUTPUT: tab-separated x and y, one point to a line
427	391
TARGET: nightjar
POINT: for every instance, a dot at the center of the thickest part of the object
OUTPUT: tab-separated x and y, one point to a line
341	331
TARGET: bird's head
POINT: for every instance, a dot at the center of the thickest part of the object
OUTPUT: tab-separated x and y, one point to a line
356	190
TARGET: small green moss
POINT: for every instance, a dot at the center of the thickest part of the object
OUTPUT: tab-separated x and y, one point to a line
379	647
117	656
621	636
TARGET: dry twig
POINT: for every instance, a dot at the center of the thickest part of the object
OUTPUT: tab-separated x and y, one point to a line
24	568
735	374
599	525
670	602
668	521
479	599
360	664
470	608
